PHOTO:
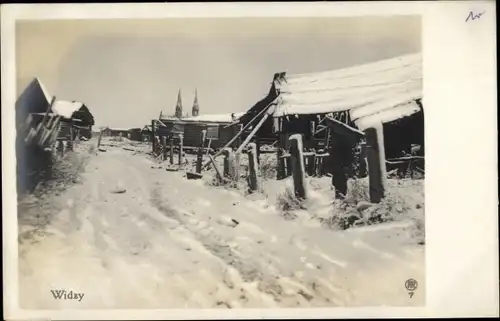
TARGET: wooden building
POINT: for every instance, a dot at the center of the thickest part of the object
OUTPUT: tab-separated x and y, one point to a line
41	122
115	132
135	134
147	133
381	99
216	126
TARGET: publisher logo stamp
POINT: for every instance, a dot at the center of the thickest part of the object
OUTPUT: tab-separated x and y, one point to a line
411	285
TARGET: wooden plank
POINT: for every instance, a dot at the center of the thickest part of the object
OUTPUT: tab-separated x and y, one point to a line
341	128
257	127
212	160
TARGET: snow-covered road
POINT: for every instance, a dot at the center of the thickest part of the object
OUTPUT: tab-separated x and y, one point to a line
169	242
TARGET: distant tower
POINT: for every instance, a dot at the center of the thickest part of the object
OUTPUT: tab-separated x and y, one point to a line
178	106
196	107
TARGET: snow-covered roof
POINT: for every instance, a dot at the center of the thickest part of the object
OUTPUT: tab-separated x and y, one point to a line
213	118
118	129
66	109
368	91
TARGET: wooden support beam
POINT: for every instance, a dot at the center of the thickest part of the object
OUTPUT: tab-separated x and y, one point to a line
298	171
256	128
219	176
208	146
240	133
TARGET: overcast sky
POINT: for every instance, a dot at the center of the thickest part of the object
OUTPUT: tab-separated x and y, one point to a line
127	71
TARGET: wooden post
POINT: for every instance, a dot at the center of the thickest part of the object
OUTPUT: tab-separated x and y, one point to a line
253	182
311	162
257	144
236	166
327	149
153	135
199	160
297	160
375	166
219	176
208	147
61	148
171	142
181	142
69	143
227	162
199	156
281	161
164	147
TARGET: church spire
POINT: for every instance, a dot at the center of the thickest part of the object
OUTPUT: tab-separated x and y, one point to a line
178	106
196	107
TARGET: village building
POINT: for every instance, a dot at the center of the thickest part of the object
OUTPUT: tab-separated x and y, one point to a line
210	130
115	132
147	133
42	120
377	104
135	134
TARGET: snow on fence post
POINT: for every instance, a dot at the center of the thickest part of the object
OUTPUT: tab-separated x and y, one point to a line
376	163
253	180
181	142
297	162
171	142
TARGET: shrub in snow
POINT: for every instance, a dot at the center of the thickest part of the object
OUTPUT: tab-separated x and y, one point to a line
288	202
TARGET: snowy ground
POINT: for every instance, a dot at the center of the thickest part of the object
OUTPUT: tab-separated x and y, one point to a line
169	242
